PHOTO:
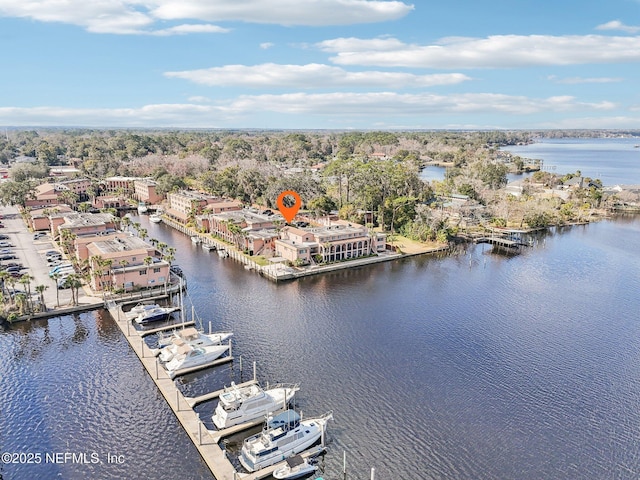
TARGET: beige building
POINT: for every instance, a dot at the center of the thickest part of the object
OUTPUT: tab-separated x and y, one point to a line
145	190
125	262
339	241
187	203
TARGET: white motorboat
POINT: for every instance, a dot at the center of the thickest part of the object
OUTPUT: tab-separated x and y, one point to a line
208	246
155	218
222	253
155	314
238	405
295	467
190	336
140	308
195	239
142	207
189	356
275	444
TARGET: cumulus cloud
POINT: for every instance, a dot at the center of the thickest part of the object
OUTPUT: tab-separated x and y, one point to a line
139	17
498	51
310	76
618	25
266	45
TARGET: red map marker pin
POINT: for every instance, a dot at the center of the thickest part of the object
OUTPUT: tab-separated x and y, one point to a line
289	212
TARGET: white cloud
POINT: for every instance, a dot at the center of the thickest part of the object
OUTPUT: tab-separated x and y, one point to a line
310	76
266	45
394	104
618	25
190	28
284	12
591	123
140	16
579	80
498	51
371	107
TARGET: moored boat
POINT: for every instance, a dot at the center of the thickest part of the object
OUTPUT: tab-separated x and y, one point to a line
208	246
195	239
275	444
189	336
238	405
295	467
155	218
222	253
155	314
189	356
140	308
142	207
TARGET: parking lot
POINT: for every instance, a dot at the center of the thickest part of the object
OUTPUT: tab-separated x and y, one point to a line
30	254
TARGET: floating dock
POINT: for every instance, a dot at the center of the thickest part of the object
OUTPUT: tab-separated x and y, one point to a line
205	440
209	450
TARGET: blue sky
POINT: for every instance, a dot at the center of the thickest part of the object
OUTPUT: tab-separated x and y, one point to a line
321	64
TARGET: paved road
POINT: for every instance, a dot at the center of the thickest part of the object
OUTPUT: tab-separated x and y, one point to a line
31	254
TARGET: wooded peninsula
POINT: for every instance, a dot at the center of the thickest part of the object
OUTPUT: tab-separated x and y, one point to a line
371	177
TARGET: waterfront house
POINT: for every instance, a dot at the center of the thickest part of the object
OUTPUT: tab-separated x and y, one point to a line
341	240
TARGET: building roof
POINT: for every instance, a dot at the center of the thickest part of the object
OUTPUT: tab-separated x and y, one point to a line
121	244
86	219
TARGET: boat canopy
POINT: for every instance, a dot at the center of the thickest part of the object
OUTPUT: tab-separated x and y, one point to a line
295	461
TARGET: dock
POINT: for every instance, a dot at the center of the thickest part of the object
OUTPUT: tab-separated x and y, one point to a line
209	450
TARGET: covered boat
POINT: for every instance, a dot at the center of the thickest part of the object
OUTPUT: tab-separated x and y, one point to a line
188	356
295	467
190	336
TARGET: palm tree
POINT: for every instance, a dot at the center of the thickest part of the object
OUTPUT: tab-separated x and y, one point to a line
56	277
26	281
123	263
40	289
143	233
21	302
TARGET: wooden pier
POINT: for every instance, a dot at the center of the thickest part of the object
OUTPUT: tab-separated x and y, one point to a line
209	450
205	440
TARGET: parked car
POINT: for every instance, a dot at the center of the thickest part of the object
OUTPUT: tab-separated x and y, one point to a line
4	251
5	244
8	256
61	269
56	256
4	266
14	269
1	225
4	237
52	252
38	235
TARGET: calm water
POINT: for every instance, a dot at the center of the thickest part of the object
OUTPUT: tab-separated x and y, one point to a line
464	367
612	160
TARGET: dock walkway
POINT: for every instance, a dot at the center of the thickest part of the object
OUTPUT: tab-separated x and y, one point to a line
212	454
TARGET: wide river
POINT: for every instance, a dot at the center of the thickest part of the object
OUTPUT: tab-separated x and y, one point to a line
475	365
